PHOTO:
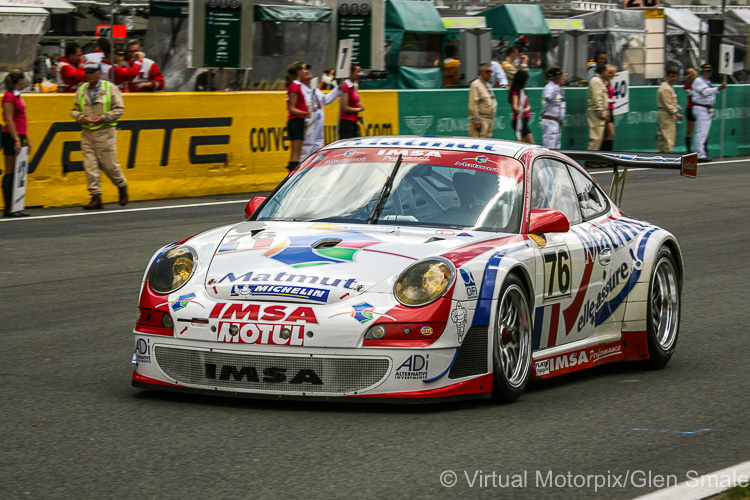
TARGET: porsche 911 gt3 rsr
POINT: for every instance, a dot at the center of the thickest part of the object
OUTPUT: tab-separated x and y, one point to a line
407	268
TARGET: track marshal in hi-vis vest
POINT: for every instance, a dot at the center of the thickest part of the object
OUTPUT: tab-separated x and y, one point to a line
98	106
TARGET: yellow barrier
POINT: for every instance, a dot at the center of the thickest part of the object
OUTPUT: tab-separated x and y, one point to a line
171	145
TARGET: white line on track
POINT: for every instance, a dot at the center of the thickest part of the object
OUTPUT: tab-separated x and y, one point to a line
698	487
103	212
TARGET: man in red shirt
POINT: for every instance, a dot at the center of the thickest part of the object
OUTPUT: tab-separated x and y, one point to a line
350	106
69	75
149	79
122	76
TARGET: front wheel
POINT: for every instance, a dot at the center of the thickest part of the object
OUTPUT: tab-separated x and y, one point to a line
512	342
663	320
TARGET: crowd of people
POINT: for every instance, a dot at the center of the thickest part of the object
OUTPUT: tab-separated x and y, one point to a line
98	86
134	73
512	73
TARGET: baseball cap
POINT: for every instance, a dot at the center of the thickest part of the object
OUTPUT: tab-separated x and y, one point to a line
92	65
707	67
554	72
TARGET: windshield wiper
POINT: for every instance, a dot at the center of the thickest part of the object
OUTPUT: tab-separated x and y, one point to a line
380	205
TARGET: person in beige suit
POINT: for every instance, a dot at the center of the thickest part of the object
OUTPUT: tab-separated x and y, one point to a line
482	104
97	108
669	111
598	112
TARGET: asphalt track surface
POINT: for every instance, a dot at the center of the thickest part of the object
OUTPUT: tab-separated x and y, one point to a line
71	425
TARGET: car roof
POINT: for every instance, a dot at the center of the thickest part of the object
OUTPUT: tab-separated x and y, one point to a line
493	146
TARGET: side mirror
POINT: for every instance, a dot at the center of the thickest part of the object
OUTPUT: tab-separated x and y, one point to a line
253	205
548	221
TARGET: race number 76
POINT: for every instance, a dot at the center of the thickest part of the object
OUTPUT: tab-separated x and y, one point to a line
557	273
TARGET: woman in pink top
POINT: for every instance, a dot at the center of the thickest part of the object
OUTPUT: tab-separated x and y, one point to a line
14	134
297	95
523	110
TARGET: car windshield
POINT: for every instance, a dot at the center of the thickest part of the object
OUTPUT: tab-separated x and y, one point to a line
432	188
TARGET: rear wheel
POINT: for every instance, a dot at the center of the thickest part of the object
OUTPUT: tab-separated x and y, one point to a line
663	320
512	342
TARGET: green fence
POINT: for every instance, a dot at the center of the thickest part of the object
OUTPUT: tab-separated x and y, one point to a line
445	113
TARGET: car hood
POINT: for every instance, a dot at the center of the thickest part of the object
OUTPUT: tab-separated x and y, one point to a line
320	263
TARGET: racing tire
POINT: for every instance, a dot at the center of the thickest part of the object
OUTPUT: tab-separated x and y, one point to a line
511	352
663	310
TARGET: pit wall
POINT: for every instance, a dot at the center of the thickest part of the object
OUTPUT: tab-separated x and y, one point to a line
187	144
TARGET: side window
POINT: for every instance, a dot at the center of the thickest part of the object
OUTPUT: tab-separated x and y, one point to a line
552	187
592	200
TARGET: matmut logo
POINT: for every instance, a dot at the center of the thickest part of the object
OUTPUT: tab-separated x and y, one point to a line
261	333
256	312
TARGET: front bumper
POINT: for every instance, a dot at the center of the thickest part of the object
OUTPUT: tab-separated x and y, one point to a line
308	373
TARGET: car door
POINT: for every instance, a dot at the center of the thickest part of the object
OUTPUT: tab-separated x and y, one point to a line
570	265
613	254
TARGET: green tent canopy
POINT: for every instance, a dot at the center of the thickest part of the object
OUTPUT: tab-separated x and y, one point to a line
515	19
413	16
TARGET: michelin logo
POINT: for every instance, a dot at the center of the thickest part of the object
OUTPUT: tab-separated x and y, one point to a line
296	292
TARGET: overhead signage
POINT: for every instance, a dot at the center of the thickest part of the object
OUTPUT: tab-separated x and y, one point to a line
223	34
653	13
355	23
565	24
457	23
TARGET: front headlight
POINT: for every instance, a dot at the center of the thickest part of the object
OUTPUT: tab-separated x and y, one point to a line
171	270
424	282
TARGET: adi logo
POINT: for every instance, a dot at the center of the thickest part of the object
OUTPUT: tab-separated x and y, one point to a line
320	248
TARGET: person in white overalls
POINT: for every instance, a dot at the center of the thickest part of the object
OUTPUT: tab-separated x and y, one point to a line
314	125
704	95
553	109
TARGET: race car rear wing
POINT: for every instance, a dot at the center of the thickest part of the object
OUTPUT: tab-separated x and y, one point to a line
688	165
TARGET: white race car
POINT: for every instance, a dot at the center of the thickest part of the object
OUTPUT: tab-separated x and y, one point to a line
408	269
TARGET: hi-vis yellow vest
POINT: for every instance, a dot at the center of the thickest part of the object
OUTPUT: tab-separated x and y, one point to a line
107	103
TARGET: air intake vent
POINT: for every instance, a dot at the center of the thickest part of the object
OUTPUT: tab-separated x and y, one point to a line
472	355
326	243
434	239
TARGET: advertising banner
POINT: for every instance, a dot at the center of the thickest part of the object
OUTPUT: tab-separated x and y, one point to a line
172	145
